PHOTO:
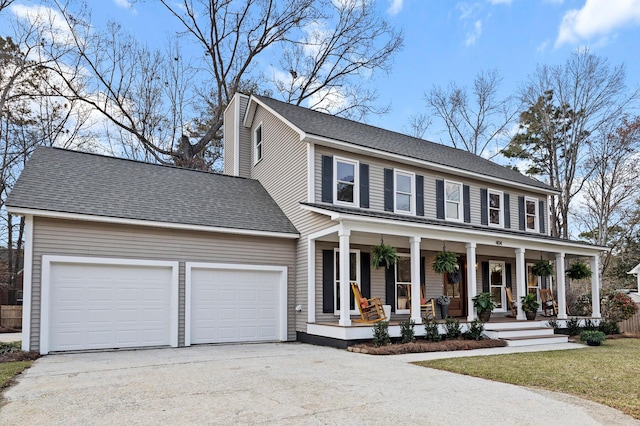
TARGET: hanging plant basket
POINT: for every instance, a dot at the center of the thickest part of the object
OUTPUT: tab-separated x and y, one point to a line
383	255
445	261
579	271
542	268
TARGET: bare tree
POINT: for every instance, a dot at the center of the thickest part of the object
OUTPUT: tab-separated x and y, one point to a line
476	121
418	125
567	106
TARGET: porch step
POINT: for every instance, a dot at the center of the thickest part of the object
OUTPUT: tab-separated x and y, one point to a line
519	332
537	340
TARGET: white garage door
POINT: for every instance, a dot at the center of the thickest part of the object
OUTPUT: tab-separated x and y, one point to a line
105	306
229	304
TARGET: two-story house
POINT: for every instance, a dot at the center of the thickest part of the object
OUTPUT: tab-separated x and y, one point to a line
128	254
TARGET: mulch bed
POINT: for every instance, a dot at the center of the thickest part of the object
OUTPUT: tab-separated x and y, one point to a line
425	346
19	356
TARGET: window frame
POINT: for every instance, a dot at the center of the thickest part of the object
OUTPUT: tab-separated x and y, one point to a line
460	202
356	181
336	281
396	282
258	145
503	286
538	281
536	218
500	223
412	195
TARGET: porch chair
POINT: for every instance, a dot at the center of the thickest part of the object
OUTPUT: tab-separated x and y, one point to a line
512	305
549	305
371	310
428	309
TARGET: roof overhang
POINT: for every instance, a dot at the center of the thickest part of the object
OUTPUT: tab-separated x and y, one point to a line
148	223
362	223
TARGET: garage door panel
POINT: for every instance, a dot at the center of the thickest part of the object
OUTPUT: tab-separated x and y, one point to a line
230	305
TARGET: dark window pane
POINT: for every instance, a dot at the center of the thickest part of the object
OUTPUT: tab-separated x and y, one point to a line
345	172
345	192
531	207
403	270
531	222
494	216
403	202
494	201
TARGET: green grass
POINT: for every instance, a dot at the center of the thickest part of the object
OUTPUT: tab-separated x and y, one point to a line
608	374
9	369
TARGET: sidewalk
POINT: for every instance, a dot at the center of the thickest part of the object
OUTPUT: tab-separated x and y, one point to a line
10	337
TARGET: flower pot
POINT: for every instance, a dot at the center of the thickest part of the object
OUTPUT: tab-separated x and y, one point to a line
484	316
593	342
444	311
531	315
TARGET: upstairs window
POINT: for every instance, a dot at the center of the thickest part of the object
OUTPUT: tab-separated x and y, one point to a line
257	144
345	177
531	214
496	208
453	200
405	192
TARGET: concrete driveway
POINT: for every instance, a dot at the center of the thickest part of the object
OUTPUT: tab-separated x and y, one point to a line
284	384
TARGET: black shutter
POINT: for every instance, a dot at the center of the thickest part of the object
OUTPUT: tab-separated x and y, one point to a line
440	199
484	209
466	198
507	211
521	212
327	281
364	186
507	273
365	275
388	190
423	272
327	179
542	213
485	276
420	195
390	286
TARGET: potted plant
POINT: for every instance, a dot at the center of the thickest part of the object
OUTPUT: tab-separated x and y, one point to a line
445	261
444	302
542	268
578	271
593	337
383	255
530	305
484	304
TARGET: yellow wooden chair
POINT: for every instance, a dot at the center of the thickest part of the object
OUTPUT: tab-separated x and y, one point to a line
371	310
549	305
512	305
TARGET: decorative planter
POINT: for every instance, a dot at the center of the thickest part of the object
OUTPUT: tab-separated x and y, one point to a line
593	342
531	315
484	316
444	311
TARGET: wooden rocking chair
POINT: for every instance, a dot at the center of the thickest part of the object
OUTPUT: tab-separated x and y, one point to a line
512	305
428	309
370	309
549	305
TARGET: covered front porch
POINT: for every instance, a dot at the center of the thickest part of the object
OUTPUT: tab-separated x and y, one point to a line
489	262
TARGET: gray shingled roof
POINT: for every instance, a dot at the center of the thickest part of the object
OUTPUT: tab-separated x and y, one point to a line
340	129
73	182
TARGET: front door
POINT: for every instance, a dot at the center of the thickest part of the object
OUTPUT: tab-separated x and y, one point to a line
455	287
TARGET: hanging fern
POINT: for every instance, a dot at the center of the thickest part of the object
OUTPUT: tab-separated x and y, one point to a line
445	261
579	271
383	255
542	268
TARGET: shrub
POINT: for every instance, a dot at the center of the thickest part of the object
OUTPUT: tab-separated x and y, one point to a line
452	328
476	328
573	326
381	333
9	348
618	306
554	324
406	331
582	305
592	338
431	331
609	327
589	325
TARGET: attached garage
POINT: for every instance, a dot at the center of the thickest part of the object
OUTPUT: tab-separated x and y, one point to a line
235	303
102	303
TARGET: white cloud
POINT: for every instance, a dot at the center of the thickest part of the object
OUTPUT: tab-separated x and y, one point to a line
543	46
500	1
123	3
474	34
58	31
395	7
597	18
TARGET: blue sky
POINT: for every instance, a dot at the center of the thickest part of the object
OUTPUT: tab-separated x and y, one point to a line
449	40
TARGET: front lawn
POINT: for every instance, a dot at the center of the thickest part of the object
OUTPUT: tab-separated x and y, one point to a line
608	374
13	361
10	369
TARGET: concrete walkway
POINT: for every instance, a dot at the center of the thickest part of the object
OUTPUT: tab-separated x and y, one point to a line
284	384
10	337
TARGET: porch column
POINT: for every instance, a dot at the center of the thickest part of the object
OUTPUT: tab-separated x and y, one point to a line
560	285
595	286
415	279
345	286
521	281
471	280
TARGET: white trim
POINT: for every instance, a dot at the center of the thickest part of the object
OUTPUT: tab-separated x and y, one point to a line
460	201
412	176
236	136
27	283
311	172
500	224
189	266
355	310
311	279
538	285
151	223
395	282
254	143
356	181
325	232
250	110
45	290
503	295
536	220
